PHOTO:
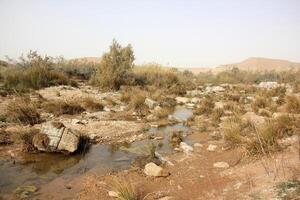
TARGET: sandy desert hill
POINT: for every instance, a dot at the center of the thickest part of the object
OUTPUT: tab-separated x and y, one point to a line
253	64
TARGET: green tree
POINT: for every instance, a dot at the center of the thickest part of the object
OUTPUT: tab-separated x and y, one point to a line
115	68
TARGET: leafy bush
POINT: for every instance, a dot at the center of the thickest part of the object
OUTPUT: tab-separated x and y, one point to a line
115	68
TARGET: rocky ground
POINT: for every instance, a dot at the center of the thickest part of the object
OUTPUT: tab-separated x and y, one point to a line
212	165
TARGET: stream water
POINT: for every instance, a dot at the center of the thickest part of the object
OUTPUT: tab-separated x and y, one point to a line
40	168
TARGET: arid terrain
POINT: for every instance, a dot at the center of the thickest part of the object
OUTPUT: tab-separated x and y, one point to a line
254	64
107	129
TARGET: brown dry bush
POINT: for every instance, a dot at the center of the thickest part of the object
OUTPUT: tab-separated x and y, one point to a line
125	190
60	107
24	136
33	72
92	104
135	97
293	104
260	102
206	106
176	137
22	110
260	140
216	114
163	112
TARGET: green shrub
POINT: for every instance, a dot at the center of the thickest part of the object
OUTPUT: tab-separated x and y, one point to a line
115	68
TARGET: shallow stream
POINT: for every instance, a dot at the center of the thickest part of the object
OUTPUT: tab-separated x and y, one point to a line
40	168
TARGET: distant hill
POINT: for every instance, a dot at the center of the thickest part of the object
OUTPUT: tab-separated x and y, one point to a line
255	64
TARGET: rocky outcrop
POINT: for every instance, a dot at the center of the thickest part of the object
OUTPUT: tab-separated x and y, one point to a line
55	137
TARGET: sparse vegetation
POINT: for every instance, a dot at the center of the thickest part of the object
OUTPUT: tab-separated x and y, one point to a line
61	107
288	190
259	102
92	104
176	137
22	110
33	72
206	106
115	68
293	104
125	190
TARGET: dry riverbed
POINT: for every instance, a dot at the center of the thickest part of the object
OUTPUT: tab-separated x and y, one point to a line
191	153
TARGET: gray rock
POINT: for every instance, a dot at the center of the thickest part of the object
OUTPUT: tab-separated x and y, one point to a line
185	147
55	137
150	103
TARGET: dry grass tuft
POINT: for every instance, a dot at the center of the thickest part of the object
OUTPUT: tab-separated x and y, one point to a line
206	106
92	104
293	104
61	107
22	110
125	190
259	102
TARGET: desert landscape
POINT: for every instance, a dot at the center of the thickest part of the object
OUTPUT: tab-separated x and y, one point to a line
105	128
149	100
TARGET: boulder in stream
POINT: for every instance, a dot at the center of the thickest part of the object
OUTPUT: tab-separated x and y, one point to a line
55	137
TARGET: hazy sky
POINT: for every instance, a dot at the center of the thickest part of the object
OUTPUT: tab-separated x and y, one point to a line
182	33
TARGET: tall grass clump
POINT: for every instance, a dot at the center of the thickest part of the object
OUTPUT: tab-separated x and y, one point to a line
61	107
125	190
83	68
22	110
205	107
92	104
293	103
33	72
260	102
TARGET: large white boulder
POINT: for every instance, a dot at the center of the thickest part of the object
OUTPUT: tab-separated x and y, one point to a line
55	137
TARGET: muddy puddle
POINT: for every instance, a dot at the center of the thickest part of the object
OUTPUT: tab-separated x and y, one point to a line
40	168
